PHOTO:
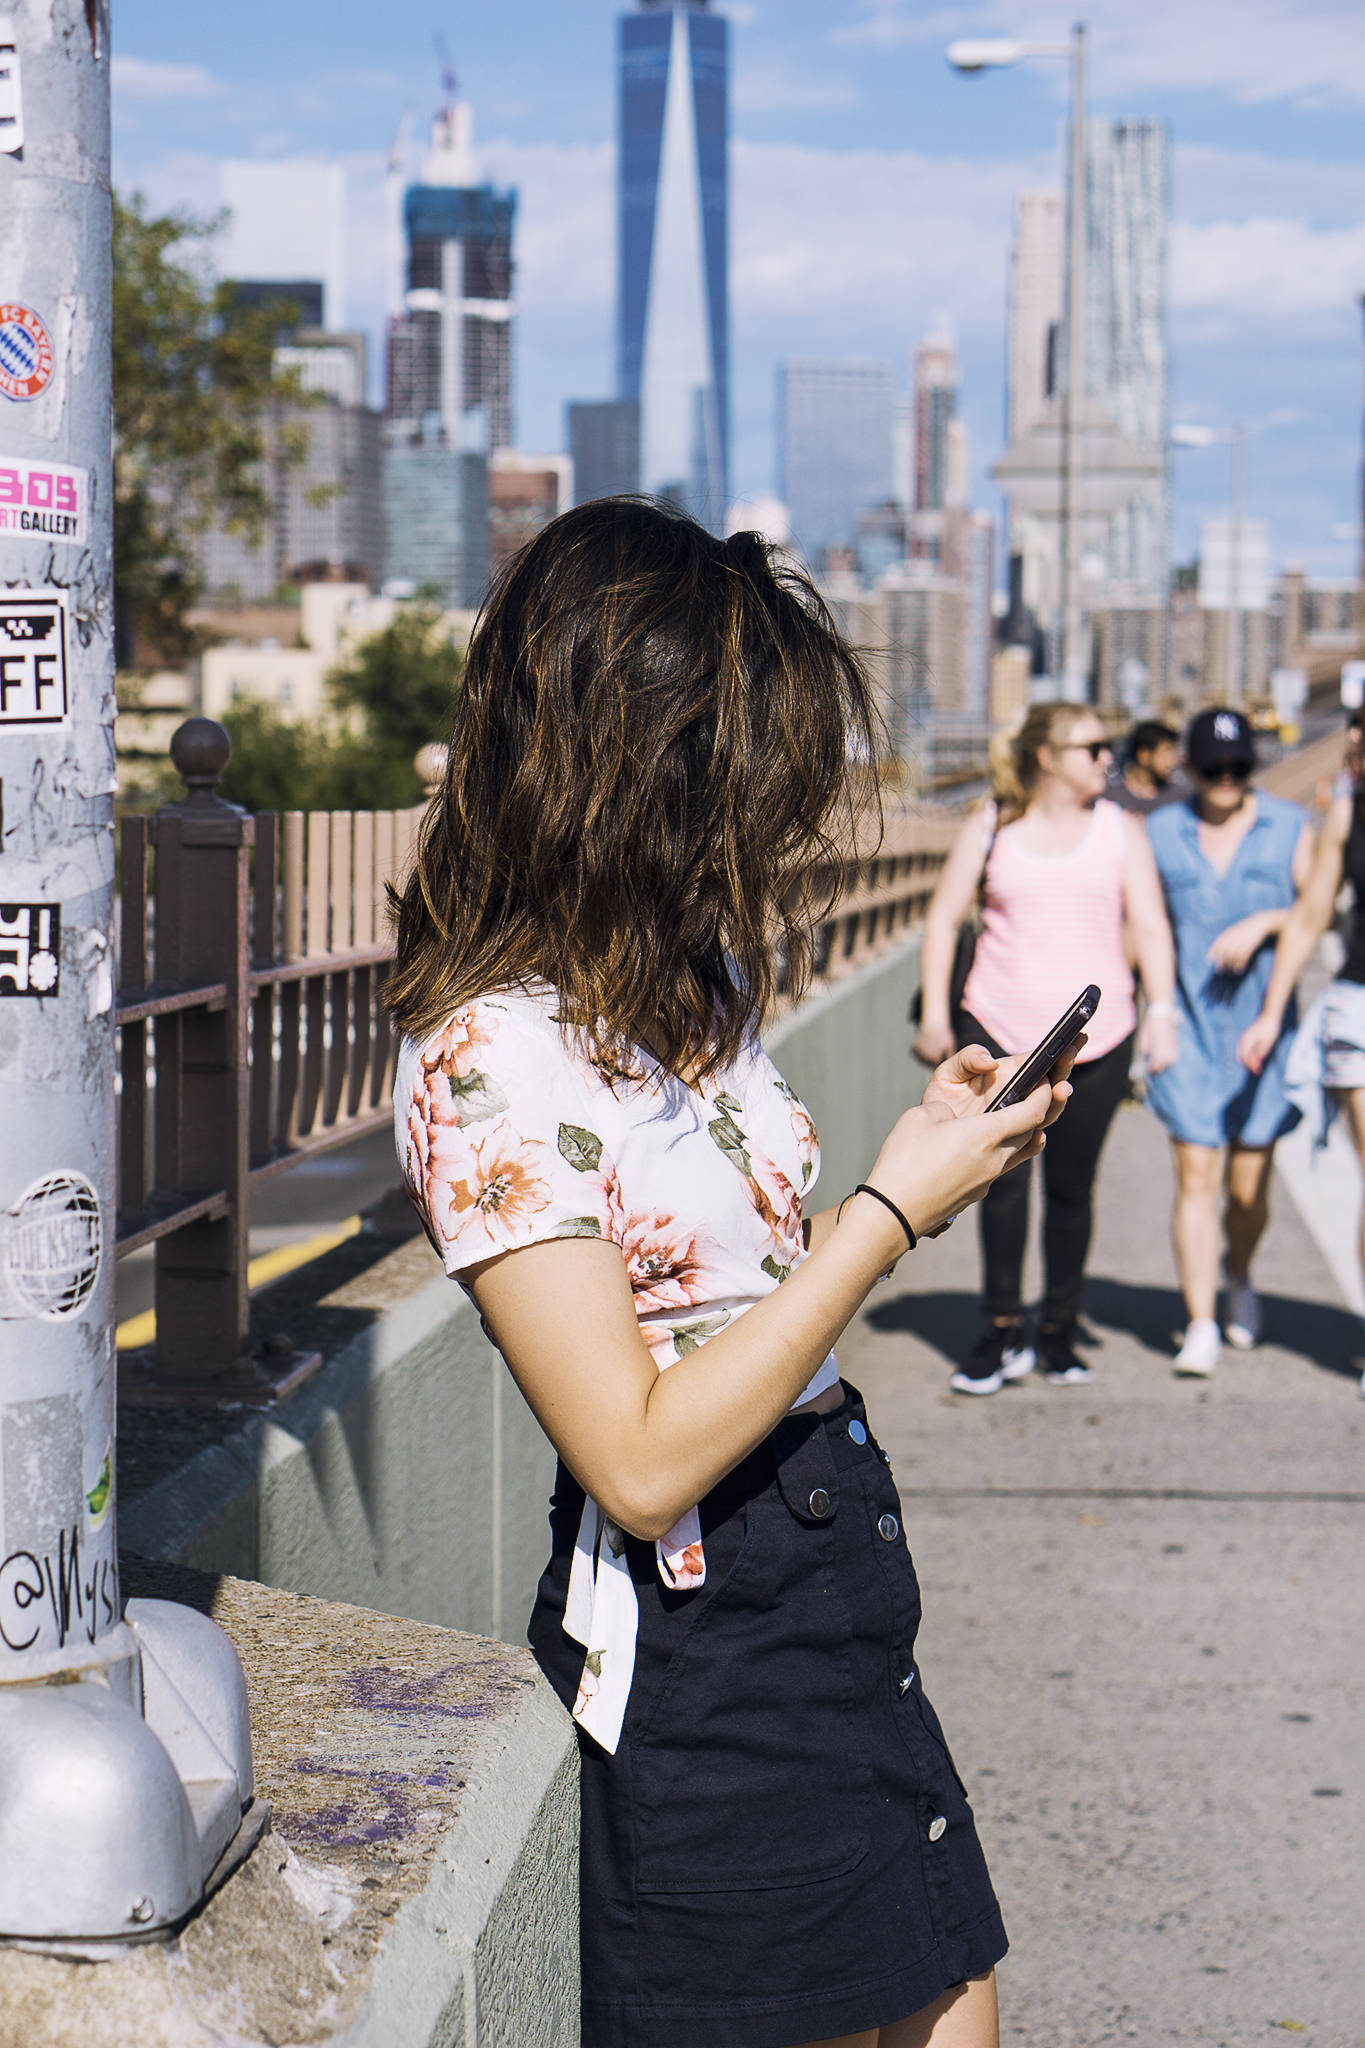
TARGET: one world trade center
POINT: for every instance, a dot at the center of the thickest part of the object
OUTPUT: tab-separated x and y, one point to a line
672	317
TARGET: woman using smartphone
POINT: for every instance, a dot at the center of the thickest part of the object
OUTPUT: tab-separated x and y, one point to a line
1232	860
1057	871
653	739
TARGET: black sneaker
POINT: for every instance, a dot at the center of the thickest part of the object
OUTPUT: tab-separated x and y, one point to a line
999	1354
1061	1366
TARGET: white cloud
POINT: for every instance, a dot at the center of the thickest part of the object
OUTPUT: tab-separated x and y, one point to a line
1245	279
1253	51
145	80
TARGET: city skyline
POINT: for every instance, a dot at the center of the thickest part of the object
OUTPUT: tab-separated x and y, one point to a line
870	187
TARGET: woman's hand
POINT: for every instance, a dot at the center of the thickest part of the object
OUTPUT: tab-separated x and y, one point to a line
1158	1041
1232	950
971	1077
933	1043
935	1161
1258	1041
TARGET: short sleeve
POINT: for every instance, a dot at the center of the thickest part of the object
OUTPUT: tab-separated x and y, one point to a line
498	1137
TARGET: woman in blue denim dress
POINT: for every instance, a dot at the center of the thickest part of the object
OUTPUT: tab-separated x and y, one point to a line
1232	861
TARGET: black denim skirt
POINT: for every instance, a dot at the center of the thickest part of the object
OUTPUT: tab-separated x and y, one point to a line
781	1848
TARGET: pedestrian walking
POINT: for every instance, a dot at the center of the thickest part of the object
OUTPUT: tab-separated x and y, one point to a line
1232	860
1060	875
1147	774
653	739
1326	1065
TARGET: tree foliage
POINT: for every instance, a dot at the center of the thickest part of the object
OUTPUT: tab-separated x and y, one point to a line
194	380
393	695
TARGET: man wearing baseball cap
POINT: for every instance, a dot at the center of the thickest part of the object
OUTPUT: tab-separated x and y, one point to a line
1232	860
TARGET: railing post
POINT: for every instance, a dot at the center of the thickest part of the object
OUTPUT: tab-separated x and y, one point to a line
203	1061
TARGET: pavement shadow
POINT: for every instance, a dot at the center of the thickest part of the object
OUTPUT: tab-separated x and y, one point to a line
1323	1332
949	1321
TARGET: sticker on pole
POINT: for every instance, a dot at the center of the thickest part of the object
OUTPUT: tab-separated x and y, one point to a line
33	682
30	949
50	1244
25	352
48	498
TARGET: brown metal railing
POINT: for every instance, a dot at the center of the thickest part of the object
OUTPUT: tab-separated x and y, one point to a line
251	1033
252	954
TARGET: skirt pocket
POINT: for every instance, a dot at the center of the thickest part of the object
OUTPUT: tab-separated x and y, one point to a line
748	1769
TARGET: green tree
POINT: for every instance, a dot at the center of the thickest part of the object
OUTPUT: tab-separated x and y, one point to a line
194	381
398	688
393	695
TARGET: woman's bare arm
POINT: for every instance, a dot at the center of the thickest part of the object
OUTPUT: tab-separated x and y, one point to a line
949	906
1304	925
648	1444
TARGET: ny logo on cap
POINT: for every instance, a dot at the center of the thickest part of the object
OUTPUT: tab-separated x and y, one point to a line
1226	727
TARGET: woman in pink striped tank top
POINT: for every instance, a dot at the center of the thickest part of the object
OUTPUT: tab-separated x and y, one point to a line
1058	873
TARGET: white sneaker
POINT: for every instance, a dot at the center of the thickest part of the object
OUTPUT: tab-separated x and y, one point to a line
1199	1354
1242	1316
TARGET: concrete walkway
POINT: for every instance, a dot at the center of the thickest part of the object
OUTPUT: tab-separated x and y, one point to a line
1145	1632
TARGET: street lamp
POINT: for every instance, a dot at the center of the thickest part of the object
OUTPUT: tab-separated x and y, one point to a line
1235	438
992	54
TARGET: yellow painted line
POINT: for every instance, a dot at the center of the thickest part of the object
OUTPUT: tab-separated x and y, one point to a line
139	1331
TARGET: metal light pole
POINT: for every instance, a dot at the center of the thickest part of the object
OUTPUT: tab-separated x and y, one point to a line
125	1759
993	54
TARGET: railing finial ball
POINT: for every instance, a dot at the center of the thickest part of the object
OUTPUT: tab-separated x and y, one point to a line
201	750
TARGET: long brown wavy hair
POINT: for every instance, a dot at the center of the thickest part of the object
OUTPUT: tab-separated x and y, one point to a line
660	743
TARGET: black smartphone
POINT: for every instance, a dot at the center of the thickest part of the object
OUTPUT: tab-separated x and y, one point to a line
1044	1057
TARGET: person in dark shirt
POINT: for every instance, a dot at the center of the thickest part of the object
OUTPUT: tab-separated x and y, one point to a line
1148	775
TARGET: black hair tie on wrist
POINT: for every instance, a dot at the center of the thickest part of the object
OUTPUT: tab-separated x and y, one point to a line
887	1203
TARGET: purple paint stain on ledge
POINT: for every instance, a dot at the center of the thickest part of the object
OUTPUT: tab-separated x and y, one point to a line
377	1689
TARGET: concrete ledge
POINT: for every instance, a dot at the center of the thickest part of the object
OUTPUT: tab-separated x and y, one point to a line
420	1882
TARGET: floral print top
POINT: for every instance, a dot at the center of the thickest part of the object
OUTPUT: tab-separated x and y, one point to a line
509	1134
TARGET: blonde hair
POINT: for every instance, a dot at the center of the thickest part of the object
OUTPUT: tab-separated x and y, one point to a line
1014	750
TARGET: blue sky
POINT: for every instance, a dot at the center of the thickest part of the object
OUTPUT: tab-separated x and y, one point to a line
871	190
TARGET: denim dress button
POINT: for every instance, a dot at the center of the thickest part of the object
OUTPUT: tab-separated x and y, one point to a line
888	1528
938	1827
857	1432
819	1503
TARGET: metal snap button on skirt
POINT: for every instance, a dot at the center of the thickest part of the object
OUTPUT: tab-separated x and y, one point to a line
781	1849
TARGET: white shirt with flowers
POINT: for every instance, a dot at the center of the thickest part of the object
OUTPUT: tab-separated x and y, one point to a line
509	1134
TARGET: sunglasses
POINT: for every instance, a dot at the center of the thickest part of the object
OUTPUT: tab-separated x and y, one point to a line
1223	771
1095	748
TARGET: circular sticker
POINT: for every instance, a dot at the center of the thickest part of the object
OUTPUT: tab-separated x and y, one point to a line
25	352
53	1255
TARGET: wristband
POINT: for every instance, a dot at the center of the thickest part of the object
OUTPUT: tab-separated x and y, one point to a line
1161	1010
887	1203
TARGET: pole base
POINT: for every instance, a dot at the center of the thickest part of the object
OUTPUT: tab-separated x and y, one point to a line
117	1813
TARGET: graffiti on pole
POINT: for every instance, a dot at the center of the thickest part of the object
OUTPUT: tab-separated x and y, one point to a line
50	1245
30	949
33	677
26	355
49	498
11	94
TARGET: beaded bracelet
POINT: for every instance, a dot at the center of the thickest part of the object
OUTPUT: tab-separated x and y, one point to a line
887	1203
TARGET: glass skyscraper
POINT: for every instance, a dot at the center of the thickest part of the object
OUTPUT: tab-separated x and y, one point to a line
673	328
834	429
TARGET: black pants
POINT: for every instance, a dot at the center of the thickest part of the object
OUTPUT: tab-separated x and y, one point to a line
1070	1161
